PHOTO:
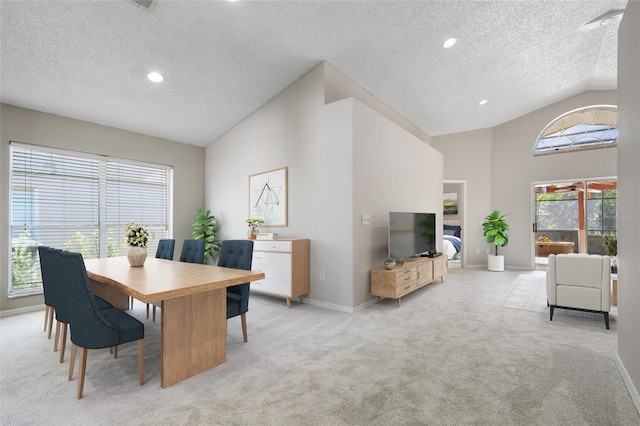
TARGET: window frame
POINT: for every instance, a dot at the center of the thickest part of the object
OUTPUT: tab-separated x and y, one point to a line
575	146
51	224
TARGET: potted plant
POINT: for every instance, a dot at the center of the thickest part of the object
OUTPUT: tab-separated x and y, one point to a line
495	230
389	263
611	249
204	228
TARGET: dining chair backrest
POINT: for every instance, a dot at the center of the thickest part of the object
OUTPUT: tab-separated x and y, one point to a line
89	329
165	249
192	251
236	254
48	271
54	281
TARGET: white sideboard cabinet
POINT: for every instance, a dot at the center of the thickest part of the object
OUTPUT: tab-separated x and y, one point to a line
285	264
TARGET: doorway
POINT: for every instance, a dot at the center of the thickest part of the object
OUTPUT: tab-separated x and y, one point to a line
573	217
454	222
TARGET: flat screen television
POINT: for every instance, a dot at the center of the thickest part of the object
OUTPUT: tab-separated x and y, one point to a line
411	234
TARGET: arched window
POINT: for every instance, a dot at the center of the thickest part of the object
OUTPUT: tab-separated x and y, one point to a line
591	127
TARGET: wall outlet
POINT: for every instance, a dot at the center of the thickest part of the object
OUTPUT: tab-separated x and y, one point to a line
322	276
477	251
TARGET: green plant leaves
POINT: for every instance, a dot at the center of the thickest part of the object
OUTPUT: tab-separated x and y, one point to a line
204	228
495	228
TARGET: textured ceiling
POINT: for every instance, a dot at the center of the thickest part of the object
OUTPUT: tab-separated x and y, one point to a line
223	60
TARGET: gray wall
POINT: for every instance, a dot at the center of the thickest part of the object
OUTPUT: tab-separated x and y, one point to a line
23	125
629	195
327	148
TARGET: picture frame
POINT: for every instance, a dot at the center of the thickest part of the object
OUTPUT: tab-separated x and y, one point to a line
450	203
268	197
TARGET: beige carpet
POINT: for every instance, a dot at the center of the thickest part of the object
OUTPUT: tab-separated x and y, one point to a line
448	356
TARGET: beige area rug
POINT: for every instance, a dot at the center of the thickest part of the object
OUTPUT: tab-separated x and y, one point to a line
529	293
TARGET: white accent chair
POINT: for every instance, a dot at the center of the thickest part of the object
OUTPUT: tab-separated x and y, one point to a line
581	282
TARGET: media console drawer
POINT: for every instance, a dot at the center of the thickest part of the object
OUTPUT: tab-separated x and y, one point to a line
402	280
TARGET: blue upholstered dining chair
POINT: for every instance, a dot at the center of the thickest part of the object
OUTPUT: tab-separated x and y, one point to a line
164	251
192	251
237	254
93	328
53	285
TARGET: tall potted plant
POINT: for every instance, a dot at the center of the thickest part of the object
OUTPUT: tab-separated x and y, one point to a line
204	228
495	230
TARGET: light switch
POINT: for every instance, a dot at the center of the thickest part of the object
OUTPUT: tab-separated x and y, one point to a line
365	219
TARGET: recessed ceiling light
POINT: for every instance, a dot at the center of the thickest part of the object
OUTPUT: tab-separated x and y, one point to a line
450	42
482	102
156	77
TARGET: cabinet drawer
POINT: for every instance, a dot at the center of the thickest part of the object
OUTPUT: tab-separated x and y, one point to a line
262	258
269	285
283	246
274	272
405	288
403	277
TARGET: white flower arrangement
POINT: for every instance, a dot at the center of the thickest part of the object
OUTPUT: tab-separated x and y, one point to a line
254	223
137	235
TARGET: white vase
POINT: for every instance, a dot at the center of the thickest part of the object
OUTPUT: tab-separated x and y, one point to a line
137	255
495	263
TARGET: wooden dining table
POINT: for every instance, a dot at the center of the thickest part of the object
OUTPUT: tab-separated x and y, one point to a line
193	302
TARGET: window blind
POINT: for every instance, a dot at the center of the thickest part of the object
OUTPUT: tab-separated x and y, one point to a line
81	203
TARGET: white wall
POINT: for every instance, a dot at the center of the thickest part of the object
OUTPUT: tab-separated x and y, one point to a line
499	165
392	171
322	147
467	156
23	125
629	199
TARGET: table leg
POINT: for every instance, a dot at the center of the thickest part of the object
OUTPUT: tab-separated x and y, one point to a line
614	293
194	335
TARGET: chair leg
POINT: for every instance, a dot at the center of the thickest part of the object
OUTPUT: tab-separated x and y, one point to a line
141	361
50	321
606	319
64	342
551	312
47	308
131	303
115	352
154	313
55	340
72	361
83	370
243	318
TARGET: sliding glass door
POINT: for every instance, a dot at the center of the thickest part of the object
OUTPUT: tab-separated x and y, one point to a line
574	216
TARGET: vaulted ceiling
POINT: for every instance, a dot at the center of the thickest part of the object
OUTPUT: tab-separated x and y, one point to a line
222	60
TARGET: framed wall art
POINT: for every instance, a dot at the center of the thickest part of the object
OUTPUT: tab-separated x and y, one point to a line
268	197
450	203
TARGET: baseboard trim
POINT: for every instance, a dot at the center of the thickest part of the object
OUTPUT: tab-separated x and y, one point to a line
629	383
332	306
19	311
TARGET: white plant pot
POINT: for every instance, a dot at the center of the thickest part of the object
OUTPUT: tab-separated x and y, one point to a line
495	263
